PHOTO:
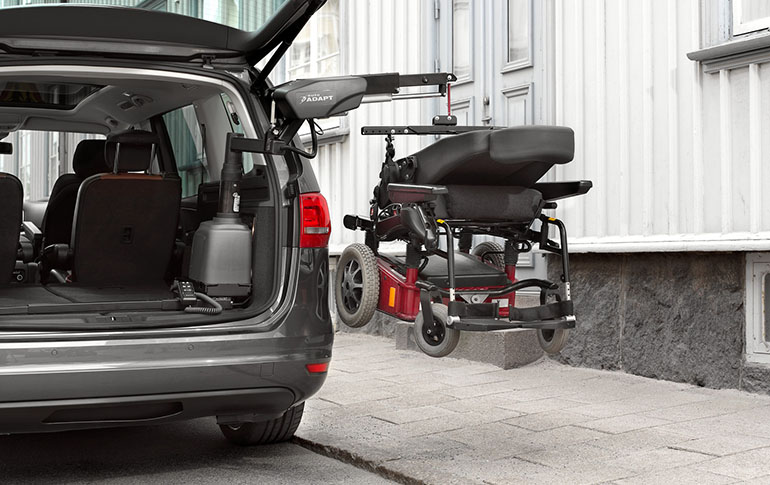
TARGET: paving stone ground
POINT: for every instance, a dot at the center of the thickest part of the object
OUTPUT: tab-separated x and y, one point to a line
422	420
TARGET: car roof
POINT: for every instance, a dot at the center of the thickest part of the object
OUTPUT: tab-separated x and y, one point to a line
131	32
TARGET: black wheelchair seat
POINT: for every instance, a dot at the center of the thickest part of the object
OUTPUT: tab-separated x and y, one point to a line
517	156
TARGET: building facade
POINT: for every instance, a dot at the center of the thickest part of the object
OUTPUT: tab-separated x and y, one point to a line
669	103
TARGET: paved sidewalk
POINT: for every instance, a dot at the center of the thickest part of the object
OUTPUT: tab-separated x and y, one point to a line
417	419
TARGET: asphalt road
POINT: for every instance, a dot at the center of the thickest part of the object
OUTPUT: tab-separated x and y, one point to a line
191	452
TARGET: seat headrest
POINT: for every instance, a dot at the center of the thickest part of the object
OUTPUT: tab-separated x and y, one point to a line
89	159
130	151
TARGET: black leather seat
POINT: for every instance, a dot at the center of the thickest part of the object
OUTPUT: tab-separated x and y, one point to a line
125	222
516	156
11	196
88	160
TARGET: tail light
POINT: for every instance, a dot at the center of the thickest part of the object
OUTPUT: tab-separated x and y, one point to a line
316	224
317	368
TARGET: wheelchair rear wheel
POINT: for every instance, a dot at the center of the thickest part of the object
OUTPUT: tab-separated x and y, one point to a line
435	338
552	341
357	287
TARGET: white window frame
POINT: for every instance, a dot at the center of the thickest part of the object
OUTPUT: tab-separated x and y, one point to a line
509	65
757	343
747	27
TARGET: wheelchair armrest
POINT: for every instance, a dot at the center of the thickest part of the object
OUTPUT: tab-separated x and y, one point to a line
410	194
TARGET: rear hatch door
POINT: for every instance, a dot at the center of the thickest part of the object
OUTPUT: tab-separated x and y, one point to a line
140	31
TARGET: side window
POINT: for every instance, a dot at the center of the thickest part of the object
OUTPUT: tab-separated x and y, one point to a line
236	126
187	142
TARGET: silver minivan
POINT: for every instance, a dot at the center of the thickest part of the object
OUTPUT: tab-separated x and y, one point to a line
163	243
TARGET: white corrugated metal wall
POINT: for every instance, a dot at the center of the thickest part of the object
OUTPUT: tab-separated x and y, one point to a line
675	153
380	36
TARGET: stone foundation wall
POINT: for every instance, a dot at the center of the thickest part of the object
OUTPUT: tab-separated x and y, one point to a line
674	316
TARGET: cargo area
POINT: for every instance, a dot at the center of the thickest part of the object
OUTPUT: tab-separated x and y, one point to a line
112	198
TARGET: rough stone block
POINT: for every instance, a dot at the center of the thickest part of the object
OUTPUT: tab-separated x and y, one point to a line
596	292
684	316
503	348
674	316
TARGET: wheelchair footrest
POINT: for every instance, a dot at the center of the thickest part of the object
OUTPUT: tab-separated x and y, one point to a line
487	325
484	317
551	311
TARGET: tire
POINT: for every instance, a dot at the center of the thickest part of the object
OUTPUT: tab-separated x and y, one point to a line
552	341
265	432
436	340
497	260
357	285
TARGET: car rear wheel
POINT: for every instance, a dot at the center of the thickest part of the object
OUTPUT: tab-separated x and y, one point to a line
357	288
265	432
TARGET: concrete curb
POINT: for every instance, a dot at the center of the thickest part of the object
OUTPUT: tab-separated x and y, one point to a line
357	461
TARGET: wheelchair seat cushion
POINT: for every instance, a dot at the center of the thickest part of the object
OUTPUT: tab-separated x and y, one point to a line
517	156
492	203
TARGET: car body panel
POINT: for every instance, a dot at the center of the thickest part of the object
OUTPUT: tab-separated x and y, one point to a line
242	368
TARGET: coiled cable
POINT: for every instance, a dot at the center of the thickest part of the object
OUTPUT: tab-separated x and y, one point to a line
214	309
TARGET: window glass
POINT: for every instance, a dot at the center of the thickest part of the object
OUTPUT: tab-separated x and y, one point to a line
316	50
187	142
236	126
39	158
750	16
518	30
329	39
461	39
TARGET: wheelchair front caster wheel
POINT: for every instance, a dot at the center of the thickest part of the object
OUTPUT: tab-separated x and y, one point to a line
435	338
552	341
357	285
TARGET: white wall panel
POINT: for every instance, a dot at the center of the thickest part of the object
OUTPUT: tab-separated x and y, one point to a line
675	153
382	36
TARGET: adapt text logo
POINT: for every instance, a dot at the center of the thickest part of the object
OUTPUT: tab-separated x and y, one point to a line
316	98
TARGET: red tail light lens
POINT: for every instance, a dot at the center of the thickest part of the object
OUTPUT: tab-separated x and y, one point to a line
316	226
317	368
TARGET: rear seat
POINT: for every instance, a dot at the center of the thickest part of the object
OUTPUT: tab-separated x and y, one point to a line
11	196
88	160
125	222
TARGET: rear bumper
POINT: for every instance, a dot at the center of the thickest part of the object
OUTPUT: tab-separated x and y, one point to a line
105	384
63	415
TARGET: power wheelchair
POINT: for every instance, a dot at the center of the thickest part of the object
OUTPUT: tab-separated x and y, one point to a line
476	180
